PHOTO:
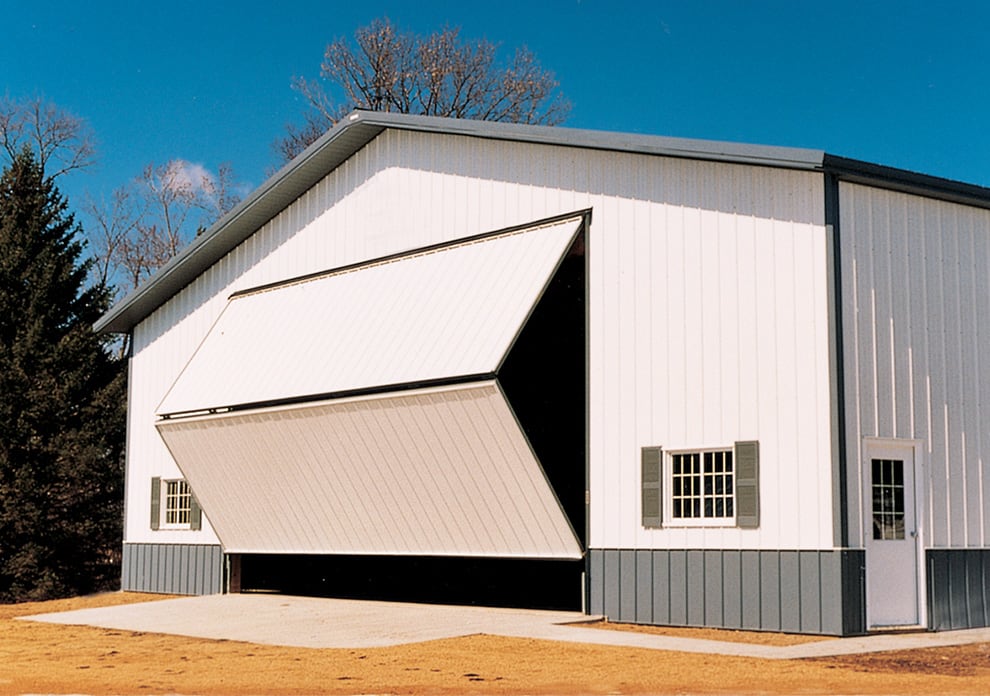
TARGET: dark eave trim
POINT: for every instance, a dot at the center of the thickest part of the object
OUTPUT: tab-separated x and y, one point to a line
904	181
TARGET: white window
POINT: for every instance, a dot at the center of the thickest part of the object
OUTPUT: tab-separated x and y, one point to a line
173	505
702	487
177	504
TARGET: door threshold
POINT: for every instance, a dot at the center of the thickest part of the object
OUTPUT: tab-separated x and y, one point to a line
909	628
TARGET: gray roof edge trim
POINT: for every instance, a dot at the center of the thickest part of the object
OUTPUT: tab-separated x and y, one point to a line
686	148
906	181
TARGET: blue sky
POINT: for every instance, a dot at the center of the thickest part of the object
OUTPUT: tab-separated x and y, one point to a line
898	83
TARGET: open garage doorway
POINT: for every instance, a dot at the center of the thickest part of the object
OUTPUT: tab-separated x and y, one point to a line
544	379
460	477
493	582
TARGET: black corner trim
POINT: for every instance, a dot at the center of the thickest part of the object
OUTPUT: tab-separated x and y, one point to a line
832	220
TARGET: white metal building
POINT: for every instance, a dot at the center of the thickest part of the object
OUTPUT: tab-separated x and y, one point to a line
674	382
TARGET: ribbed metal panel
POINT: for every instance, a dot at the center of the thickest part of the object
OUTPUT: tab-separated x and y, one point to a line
644	586
771	590
706	296
627	585
916	294
709	325
596	582
661	588
442	471
193	569
732	590
958	588
429	315
714	580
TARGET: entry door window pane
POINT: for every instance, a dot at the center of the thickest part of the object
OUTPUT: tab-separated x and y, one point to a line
888	499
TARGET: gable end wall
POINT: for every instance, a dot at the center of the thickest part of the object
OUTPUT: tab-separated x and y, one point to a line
708	319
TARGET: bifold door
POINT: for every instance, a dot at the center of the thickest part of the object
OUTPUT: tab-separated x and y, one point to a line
359	411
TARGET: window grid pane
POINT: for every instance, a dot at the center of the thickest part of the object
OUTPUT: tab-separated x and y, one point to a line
702	486
178	502
888	499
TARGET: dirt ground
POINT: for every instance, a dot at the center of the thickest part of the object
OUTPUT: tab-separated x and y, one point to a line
49	658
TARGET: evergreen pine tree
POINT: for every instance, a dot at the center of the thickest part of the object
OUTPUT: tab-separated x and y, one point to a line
62	402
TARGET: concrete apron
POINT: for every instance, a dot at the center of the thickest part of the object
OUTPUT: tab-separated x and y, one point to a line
311	622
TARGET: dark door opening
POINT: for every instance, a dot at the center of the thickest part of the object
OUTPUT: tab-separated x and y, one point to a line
543	376
495	582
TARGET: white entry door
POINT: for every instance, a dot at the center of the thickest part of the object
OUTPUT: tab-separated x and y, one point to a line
892	591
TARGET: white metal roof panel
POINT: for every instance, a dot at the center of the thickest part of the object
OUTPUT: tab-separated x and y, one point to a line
438	313
442	471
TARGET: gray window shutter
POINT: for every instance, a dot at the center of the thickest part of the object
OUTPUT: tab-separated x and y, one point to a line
195	513
747	465
156	502
652	486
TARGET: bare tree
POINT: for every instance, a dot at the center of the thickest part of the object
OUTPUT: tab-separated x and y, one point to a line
112	222
435	75
220	193
148	221
61	141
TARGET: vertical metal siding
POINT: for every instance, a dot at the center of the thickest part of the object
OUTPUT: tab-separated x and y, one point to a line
644	586
811	591
752	594
596	582
678	587
976	588
612	585
714	583
627	585
790	592
830	581
695	587
916	295
732	589
705	280
770	609
714	324
188	569
816	592
959	597
661	588
854	590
